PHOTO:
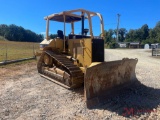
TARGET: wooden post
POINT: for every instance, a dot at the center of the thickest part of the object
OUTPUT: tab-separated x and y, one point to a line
6	52
33	50
117	28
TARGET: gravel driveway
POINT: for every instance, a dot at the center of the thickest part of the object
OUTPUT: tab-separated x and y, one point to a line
24	95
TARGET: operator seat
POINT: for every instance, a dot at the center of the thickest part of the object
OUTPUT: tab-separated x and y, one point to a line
60	34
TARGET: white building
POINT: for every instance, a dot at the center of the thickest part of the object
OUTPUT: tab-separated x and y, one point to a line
156	45
122	45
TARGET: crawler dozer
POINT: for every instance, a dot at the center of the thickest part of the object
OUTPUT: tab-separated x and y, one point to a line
75	60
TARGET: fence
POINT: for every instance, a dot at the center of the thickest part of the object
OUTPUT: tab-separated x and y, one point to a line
14	51
155	52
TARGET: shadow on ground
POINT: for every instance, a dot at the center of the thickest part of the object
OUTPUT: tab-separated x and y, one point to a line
135	100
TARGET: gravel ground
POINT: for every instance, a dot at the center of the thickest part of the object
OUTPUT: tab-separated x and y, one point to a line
26	95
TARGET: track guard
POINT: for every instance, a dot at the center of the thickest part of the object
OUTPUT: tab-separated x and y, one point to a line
107	78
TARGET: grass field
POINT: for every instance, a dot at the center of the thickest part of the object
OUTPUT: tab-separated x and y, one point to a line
10	50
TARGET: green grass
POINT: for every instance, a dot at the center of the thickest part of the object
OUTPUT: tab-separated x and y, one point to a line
17	50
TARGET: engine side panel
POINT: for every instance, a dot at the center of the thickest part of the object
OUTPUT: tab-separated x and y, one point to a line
87	52
97	50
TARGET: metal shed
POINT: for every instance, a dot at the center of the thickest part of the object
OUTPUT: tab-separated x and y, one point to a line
156	46
134	45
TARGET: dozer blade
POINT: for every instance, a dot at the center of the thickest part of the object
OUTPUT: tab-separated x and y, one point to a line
105	79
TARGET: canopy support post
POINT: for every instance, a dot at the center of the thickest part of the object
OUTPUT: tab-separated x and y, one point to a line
47	29
64	39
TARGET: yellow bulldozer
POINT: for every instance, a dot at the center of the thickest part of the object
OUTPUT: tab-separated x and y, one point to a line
75	60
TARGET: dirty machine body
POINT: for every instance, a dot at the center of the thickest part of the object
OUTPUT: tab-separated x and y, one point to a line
75	60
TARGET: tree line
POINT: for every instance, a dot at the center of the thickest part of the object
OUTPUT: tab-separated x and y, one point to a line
143	35
17	33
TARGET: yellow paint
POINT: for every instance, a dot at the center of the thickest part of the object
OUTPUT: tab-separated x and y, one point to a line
73	47
57	43
94	64
87	52
83	69
85	57
80	49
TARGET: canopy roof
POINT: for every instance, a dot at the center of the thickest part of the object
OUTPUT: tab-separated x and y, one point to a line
69	16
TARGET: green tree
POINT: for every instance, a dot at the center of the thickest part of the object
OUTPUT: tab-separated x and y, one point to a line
152	34
108	36
52	36
145	32
17	33
131	35
3	29
122	34
157	29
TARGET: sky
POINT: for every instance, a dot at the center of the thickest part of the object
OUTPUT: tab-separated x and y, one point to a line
30	13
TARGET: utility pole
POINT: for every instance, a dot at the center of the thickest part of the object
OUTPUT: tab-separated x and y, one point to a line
118	27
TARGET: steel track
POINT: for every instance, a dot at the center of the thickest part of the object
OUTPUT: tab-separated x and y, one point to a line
61	61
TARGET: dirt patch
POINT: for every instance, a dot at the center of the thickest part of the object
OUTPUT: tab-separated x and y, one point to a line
26	95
